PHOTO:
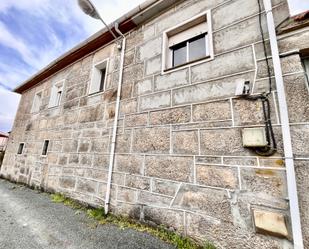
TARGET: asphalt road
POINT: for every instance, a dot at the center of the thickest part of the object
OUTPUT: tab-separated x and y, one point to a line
30	220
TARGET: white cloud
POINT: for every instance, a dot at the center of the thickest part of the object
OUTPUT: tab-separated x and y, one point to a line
34	56
68	11
298	6
47	12
9	40
12	75
8	103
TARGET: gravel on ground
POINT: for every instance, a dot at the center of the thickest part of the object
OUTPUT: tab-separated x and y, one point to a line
30	220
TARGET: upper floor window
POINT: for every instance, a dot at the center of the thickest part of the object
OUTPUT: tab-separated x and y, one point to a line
98	79
56	94
190	50
189	42
37	101
20	148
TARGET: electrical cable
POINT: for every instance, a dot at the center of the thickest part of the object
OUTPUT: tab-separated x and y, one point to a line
271	146
264	47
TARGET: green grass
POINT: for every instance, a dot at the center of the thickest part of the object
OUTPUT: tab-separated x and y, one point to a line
58	198
97	214
161	232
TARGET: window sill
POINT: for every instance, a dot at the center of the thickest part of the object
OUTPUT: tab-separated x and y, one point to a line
187	64
95	94
53	107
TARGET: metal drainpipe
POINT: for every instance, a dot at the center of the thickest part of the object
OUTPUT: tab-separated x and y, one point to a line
287	144
114	135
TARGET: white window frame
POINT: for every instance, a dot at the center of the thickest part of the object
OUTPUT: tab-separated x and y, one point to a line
305	63
95	79
167	52
53	100
35	109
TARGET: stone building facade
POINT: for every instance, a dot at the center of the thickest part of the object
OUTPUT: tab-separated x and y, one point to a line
3	140
179	158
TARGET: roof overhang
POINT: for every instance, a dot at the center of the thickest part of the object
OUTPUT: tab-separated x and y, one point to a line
4	134
127	22
294	23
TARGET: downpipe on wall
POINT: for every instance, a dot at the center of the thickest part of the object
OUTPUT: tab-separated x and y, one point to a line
287	142
115	125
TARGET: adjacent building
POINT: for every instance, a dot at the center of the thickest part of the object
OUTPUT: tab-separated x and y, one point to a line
3	140
199	142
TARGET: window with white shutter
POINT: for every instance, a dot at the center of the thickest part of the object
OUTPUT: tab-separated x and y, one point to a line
98	78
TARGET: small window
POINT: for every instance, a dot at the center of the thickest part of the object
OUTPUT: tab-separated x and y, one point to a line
58	98
190	50
98	79
197	47
56	94
305	62
37	101
102	82
45	147
20	148
188	42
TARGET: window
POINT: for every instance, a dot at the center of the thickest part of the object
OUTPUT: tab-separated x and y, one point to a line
305	62
20	148
45	147
56	94
189	42
190	50
98	79
37	101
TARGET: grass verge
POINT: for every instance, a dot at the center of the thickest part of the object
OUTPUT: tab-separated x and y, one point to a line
124	222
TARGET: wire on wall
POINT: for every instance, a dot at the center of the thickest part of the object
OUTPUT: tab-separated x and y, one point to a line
264	47
271	147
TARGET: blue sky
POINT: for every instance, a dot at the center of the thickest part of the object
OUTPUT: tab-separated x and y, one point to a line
298	6
33	33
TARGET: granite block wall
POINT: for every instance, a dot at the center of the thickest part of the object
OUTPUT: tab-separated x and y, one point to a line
179	156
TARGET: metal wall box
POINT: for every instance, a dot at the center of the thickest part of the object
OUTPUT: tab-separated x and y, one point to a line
254	137
242	88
